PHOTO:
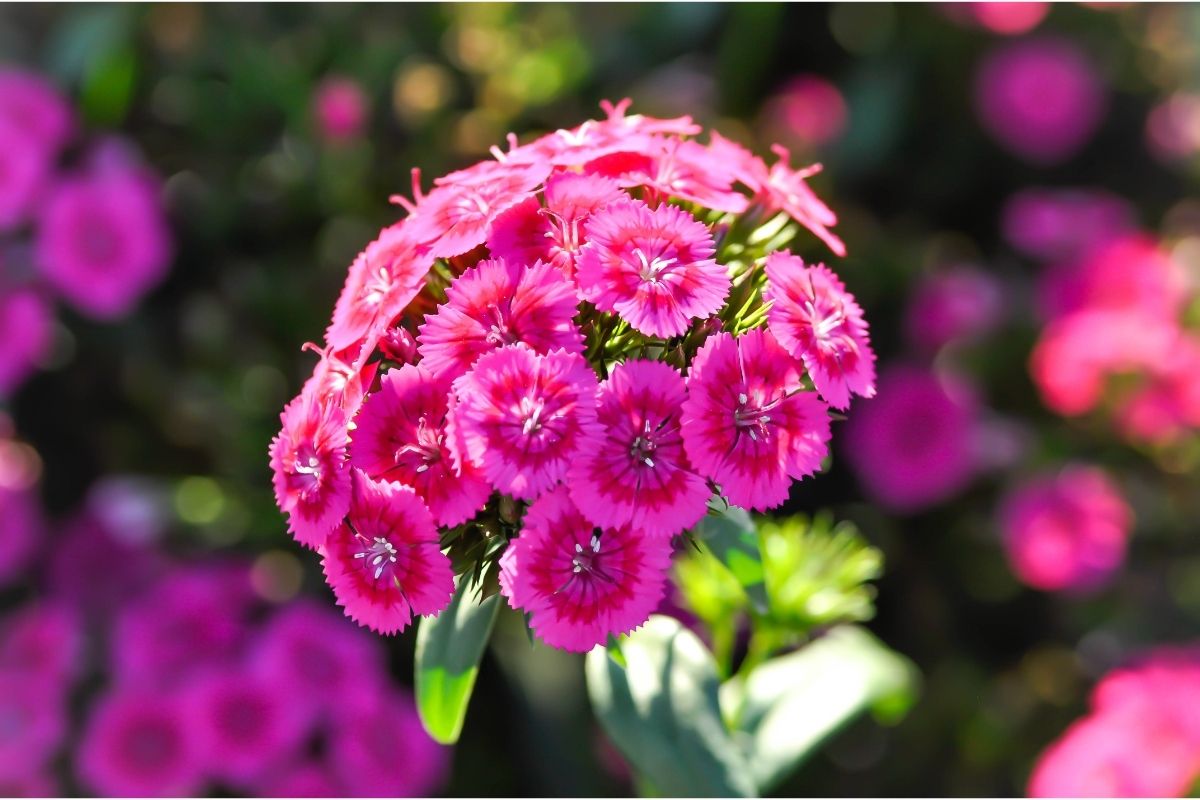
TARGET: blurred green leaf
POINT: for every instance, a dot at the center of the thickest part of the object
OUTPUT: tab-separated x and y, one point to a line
731	536
790	705
449	647
661	710
108	87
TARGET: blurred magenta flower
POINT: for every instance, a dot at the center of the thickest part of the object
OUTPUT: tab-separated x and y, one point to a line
1041	98
139	743
93	570
102	239
1173	127
809	110
32	722
1167	404
340	108
300	780
25	170
961	303
998	17
913	445
1062	225
1141	738
35	123
1066	531
378	748
44	641
27	330
20	530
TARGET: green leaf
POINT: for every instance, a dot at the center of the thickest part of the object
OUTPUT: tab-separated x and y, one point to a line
791	704
661	709
449	647
731	536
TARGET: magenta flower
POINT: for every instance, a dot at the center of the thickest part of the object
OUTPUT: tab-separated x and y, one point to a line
809	110
384	279
1066	531
383	562
400	435
580	584
499	303
959	304
528	233
312	477
341	378
522	418
1005	18
27	329
29	102
21	531
26	167
675	168
340	108
1056	225
1166	407
634	472
139	744
653	267
244	724
34	721
102	240
311	779
787	190
913	446
747	423
817	320
43	641
1041	99
94	571
377	748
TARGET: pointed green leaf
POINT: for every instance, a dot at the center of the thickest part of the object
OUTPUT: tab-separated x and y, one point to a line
731	536
661	710
791	704
449	647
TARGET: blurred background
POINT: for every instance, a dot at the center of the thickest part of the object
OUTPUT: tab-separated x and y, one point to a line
182	188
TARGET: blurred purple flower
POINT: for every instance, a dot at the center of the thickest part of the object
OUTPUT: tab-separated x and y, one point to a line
1058	225
36	107
377	747
26	328
1066	531
25	170
35	122
1041	98
340	108
102	240
42	640
138	743
93	571
808	110
961	303
913	444
305	779
21	525
32	722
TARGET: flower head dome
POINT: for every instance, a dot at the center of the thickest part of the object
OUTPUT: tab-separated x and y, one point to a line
580	584
312	479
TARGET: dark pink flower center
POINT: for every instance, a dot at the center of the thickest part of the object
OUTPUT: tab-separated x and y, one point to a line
425	451
378	557
753	415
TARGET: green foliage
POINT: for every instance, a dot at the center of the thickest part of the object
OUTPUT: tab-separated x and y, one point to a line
449	647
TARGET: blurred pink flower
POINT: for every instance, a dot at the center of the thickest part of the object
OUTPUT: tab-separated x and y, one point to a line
958	304
26	168
1063	225
94	571
44	641
913	445
1066	531
1041	98
341	108
1167	404
1173	127
808	110
21	530
102	240
998	17
36	107
138	743
302	779
32	722
27	330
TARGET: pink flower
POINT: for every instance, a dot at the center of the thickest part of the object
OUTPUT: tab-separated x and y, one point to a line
1057	225
1066	531
341	378
384	279
653	267
458	215
400	435
528	233
244	724
26	166
958	304
103	241
499	303
340	108
1041	99
580	584
34	718
1167	405
787	190
913	445
634	472
300	780
32	104
318	656
383	562
21	531
312	478
94	571
42	640
523	418
675	168
1004	18
138	744
808	109
747	424
27	330
817	320
377	748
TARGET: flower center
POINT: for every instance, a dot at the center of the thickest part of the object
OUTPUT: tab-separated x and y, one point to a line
643	446
309	469
377	287
585	559
379	555
652	269
531	414
752	415
501	332
427	448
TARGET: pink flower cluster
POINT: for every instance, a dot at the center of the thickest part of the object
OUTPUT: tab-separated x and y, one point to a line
1140	739
93	232
568	350
1117	340
206	686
